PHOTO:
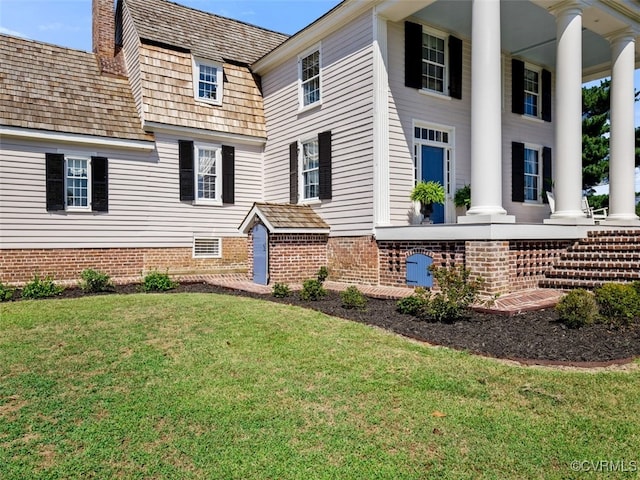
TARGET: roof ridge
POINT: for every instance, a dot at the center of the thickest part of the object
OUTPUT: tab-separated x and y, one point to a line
40	42
226	18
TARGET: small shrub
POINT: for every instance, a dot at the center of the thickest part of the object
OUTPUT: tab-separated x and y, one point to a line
323	273
415	304
457	293
312	290
578	308
352	298
157	282
41	288
636	286
618	302
281	290
94	281
6	292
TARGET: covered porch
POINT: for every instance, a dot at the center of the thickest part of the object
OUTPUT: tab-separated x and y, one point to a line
579	40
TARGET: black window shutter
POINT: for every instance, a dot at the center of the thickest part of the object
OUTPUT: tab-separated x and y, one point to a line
517	86
547	172
455	67
228	174
324	164
412	55
54	172
517	172
185	164
546	95
293	173
99	184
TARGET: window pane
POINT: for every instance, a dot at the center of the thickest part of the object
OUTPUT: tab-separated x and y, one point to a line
310	169
207	173
208	82
77	183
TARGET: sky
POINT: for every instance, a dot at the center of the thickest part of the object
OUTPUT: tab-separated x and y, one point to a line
68	22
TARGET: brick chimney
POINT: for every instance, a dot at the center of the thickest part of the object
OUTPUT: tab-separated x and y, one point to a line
110	57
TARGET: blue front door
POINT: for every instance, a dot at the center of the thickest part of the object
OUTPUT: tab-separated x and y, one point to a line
260	254
433	169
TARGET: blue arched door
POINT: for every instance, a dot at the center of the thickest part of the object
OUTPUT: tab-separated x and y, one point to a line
418	273
260	254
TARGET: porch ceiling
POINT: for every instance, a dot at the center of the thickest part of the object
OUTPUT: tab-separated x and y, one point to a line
528	29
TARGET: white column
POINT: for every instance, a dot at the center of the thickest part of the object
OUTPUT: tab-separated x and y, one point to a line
381	191
622	141
486	116
567	171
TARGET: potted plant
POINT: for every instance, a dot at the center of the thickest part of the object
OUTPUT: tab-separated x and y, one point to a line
428	193
462	198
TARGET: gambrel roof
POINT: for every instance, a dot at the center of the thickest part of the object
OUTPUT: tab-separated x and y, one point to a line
46	87
203	34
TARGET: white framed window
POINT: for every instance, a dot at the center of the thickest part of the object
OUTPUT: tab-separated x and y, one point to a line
207	81
309	169
208	174
532	173
207	247
309	67
77	180
434	61
532	86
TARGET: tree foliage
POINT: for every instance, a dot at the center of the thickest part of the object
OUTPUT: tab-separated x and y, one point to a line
595	138
595	134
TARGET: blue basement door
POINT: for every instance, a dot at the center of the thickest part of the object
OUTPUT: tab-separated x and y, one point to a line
418	274
433	169
260	254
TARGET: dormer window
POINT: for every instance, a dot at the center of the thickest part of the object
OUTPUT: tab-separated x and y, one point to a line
207	81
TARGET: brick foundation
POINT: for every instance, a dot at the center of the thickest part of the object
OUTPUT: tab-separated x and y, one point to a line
294	258
353	260
530	260
18	266
393	258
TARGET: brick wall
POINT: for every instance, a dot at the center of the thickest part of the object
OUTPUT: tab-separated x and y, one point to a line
353	260
489	260
294	258
110	58
393	258
530	259
18	266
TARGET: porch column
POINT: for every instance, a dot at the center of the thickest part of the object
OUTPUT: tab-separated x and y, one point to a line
486	116
568	121
622	141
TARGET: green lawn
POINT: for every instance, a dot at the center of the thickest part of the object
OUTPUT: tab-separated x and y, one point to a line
209	386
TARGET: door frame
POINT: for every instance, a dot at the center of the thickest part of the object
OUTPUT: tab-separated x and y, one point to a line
448	159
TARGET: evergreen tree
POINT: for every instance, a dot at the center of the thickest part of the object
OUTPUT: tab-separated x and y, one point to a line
595	135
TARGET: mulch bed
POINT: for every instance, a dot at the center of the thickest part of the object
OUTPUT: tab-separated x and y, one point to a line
533	337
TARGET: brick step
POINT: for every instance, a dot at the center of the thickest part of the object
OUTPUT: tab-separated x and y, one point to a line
605	276
605	247
606	256
614	233
612	239
567	284
597	264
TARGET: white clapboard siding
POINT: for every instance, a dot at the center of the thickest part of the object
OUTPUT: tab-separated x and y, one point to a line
144	205
517	128
347	110
406	106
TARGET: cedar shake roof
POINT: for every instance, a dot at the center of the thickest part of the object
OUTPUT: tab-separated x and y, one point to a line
285	217
204	34
53	88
